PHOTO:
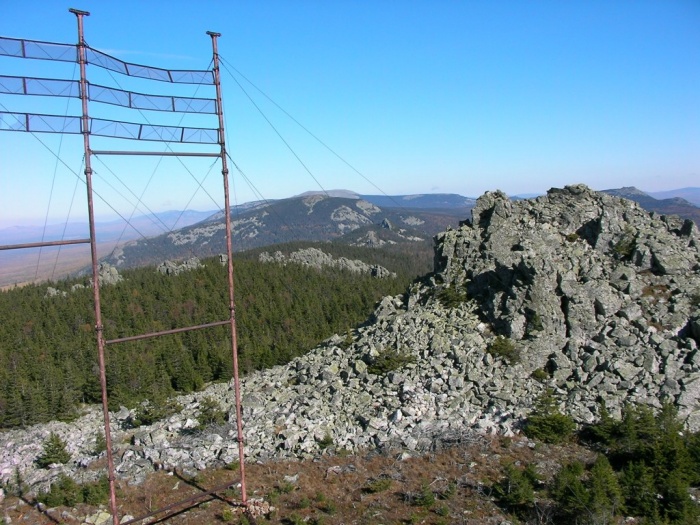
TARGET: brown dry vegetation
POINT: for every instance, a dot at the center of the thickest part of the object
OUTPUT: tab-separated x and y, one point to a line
451	486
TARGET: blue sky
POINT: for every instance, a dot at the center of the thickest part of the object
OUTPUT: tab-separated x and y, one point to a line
418	96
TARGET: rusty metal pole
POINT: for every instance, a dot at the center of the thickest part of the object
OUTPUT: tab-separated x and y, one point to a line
229	253
85	129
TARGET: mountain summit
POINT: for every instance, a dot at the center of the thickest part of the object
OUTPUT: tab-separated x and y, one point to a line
592	289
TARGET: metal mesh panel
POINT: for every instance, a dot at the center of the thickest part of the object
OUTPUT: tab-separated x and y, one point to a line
151	102
11	47
130	130
111	128
39	86
194	105
108	95
15	47
105	128
38	123
101	59
13	121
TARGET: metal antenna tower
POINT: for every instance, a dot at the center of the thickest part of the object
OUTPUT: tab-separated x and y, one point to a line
46	123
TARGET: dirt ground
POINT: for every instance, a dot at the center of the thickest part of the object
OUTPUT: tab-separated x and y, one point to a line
450	486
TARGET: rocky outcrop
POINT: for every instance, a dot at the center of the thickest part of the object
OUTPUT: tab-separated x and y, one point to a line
597	291
316	258
108	274
171	268
597	295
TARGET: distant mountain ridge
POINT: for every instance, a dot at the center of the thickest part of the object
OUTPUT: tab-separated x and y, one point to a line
419	200
344	215
692	195
308	217
671	206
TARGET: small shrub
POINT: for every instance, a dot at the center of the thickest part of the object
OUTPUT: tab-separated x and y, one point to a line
328	507
540	374
348	341
546	423
449	491
426	497
285	487
66	492
96	493
572	237
534	323
377	485
695	299
54	452
451	297
504	348
326	442
18	487
626	244
151	411
100	444
516	489
294	519
234	466
442	510
210	413
388	361
273	496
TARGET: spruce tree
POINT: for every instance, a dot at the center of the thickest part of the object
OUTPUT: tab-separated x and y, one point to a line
54	452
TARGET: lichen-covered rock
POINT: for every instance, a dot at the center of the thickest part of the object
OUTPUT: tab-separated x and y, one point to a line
315	258
577	274
171	268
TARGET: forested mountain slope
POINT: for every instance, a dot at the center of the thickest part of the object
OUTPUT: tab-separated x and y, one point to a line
48	355
306	218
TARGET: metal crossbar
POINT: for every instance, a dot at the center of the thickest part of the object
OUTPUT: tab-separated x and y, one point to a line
43	244
185	501
167	332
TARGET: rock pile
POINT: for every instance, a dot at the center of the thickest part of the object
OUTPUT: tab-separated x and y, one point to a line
315	258
171	268
596	294
600	293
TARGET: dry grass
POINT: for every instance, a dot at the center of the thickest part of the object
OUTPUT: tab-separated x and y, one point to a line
447	487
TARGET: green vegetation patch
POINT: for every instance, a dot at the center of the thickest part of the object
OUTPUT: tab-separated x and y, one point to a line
54	452
546	423
505	348
66	492
390	360
452	296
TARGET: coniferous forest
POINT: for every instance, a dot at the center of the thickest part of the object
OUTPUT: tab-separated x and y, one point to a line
48	356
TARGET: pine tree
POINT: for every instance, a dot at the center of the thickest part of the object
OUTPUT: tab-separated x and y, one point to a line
54	451
604	490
